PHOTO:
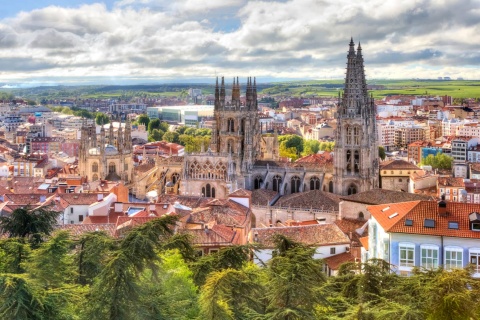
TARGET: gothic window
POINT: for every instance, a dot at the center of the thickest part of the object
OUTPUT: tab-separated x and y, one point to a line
330	186
112	167
175	177
213	192
295	184
356	136
230	146
242	127
352	189
95	167
257	183
357	161
207	191
95	177
314	183
230	125
361	216
349	135
349	161
277	181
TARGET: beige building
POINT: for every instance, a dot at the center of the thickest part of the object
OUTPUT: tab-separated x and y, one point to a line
106	159
395	174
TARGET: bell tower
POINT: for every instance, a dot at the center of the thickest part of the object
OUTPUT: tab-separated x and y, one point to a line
356	147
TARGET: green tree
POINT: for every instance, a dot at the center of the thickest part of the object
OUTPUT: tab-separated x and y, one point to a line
164	126
101	119
31	224
171	137
310	147
438	161
156	135
381	152
143	119
153	124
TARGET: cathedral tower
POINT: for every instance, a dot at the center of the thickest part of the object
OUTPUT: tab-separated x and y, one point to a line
356	146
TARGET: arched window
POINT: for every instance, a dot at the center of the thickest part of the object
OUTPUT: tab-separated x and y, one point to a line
112	167
349	161
356	136
356	161
277	181
207	190
361	216
257	183
230	125
213	192
314	183
95	167
349	135
230	146
352	189
95	177
175	177
295	184
330	186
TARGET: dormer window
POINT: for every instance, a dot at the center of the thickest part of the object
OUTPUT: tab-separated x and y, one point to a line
474	218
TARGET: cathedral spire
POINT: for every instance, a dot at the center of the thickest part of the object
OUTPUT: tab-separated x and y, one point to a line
222	93
217	96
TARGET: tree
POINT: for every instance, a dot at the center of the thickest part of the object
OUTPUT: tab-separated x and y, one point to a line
310	147
292	141
171	137
164	126
101	119
438	161
28	223
381	152
156	135
143	119
153	124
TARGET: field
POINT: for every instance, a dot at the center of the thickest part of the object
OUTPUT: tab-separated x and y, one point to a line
455	88
319	88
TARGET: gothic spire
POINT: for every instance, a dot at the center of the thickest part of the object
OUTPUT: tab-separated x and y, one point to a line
217	96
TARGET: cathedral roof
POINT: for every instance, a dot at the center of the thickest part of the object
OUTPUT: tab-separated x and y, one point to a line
381	196
109	150
263	196
314	199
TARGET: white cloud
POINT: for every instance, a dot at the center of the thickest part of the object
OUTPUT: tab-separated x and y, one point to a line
198	38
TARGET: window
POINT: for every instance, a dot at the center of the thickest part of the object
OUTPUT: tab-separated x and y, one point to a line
295	184
400	180
429	223
453	258
429	257
352	189
257	183
314	183
332	250
71	210
452	225
112	168
475	259
213	251
95	167
407	254
277	181
80	218
476	226
409	222
125	167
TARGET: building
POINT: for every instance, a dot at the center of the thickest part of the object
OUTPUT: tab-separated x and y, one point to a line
395	174
460	146
425	234
405	136
356	148
106	159
451	189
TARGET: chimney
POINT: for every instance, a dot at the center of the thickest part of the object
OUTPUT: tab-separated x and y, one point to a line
442	207
118	206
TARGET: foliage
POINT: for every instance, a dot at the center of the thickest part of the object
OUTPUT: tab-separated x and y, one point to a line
143	119
327	146
381	152
101	119
28	223
153	124
310	147
438	161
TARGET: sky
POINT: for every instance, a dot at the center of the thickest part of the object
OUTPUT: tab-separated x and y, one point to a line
148	41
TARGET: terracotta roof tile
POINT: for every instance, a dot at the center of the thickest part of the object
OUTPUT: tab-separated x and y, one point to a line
79	229
310	199
314	235
334	262
451	182
379	196
398	165
263	196
418	211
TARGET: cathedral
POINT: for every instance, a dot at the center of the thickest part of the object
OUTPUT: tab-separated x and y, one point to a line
240	157
110	157
356	147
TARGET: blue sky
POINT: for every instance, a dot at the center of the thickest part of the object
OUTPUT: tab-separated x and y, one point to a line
137	41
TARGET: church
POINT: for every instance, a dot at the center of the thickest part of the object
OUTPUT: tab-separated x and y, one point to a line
239	157
110	157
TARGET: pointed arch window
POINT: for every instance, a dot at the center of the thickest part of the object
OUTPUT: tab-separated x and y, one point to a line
314	183
295	184
175	177
207	191
95	167
352	189
257	183
112	168
356	136
349	161
330	186
230	125
277	181
357	161
349	135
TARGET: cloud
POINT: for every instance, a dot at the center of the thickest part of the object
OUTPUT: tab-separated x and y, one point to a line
200	38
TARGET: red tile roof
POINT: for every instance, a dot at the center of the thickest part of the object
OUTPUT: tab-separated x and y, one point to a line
334	262
393	218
